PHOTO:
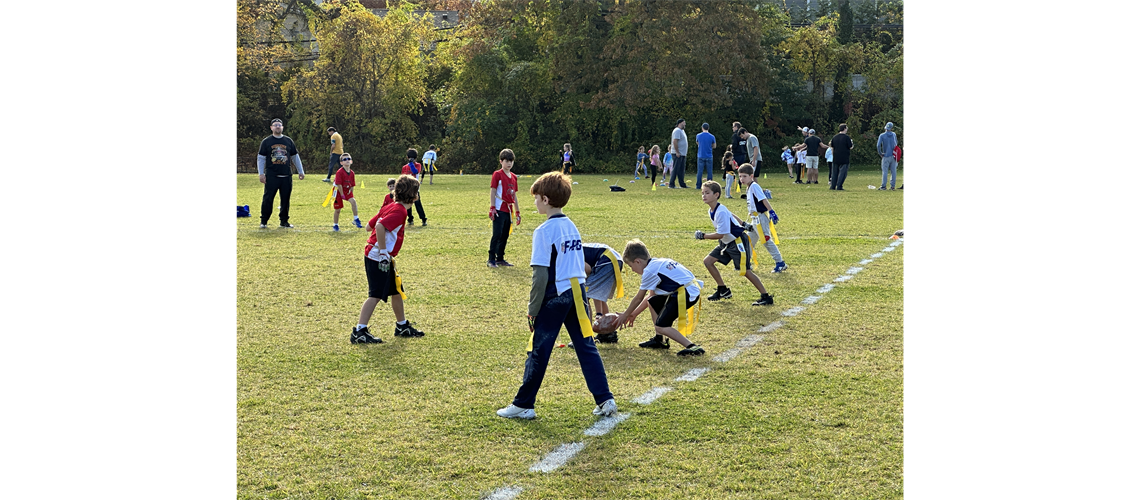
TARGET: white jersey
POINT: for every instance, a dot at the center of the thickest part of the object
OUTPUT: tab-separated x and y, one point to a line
725	226
558	246
665	276
755	192
801	157
429	158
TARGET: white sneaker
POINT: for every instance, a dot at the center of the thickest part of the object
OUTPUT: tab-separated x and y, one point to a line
606	409
512	411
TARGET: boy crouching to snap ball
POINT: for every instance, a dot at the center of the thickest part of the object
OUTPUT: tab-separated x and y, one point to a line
665	281
557	298
384	244
734	245
603	278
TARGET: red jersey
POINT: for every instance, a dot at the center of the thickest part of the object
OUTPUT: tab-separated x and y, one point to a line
391	218
387	199
505	186
408	169
347	180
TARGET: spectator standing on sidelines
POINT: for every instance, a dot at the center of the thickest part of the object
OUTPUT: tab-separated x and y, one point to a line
886	147
753	148
841	145
812	142
739	144
337	151
706	143
679	146
279	150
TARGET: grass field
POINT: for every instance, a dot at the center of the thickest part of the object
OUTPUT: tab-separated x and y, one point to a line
812	410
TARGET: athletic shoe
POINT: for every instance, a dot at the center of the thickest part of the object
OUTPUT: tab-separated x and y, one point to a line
799	182
286	225
492	263
503	263
780	267
336	227
892	188
728	196
765	300
326	179
840	189
717	295
363	336
512	411
815	182
655	343
881	188
606	409
423	223
263	226
407	330
692	350
607	338
356	222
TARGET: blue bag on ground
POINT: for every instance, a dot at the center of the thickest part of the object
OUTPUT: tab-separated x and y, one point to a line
243	210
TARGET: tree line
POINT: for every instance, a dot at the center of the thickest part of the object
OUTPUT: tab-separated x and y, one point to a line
605	76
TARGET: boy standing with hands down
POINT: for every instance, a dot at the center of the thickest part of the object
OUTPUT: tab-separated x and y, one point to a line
734	245
345	182
557	297
384	244
504	185
761	211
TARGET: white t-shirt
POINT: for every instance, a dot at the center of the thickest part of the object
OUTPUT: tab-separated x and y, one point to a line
722	219
429	157
665	276
755	192
682	148
801	157
558	245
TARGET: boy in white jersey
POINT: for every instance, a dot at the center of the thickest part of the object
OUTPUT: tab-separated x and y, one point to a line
664	281
761	210
735	245
557	297
603	278
429	164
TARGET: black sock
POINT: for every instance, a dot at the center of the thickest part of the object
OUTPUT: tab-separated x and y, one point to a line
720	288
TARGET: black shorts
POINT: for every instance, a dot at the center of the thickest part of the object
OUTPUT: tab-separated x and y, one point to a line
728	252
381	284
666	308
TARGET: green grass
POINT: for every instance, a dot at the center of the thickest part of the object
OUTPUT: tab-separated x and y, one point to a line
812	411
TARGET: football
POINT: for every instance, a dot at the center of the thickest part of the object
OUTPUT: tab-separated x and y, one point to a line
605	324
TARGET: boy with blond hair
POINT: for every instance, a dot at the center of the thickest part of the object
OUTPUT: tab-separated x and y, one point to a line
663	281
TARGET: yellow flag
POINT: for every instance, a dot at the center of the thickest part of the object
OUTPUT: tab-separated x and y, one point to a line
329	197
579	307
619	290
688	321
400	287
772	228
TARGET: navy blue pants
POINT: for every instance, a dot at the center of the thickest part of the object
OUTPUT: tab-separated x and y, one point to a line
555	312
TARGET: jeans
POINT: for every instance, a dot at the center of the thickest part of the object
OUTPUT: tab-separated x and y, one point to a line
273	184
889	163
500	231
838	175
678	172
334	164
703	165
555	312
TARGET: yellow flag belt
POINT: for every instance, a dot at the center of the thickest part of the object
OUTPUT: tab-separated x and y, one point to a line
688	321
619	291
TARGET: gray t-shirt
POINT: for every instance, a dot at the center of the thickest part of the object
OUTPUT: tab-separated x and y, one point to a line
682	142
753	142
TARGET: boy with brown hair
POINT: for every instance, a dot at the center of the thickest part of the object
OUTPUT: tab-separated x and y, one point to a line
504	202
734	245
665	281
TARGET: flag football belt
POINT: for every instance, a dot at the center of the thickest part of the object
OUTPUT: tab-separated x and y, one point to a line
771	227
688	321
619	288
579	309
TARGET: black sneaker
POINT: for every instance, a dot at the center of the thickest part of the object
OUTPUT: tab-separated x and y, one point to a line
407	330
607	338
717	295
503	263
423	223
692	350
363	336
765	300
286	224
492	263
656	342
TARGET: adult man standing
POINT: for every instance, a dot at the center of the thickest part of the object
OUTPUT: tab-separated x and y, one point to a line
275	174
337	151
812	142
706	143
886	148
679	146
841	145
753	148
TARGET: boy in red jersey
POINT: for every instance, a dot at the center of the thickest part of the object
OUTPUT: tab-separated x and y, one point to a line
504	185
384	244
388	197
344	182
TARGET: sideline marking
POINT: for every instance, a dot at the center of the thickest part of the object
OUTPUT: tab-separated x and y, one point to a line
606	424
651	395
795	310
558	457
691	375
866	261
741	345
854	270
889	249
504	493
825	288
876	255
843	278
771	326
811	299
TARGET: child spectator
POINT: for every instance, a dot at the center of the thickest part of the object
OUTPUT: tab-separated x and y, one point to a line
413	169
830	166
504	185
729	164
790	159
655	162
667	284
801	159
668	167
735	245
344	183
429	164
760	209
640	165
380	265
556	299
602	280
567	159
